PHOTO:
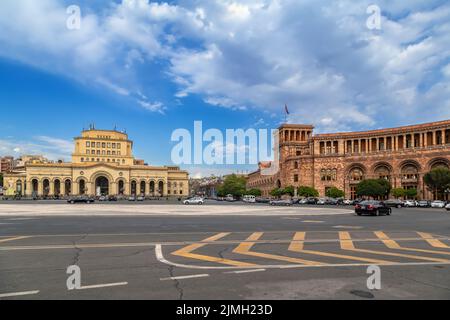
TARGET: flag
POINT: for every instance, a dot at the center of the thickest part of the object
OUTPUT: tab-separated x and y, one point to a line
286	109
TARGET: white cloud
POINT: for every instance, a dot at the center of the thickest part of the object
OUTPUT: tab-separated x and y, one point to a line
317	56
49	147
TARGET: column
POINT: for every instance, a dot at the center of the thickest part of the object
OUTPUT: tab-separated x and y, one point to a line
443	136
353	146
421	140
51	191
75	188
40	188
434	138
62	187
378	144
29	191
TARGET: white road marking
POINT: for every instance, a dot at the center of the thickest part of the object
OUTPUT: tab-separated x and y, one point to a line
186	277
347	227
17	294
246	271
14	238
103	285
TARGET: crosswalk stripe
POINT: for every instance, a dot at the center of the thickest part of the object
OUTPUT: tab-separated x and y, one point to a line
347	244
245	247
297	246
432	241
187	253
392	244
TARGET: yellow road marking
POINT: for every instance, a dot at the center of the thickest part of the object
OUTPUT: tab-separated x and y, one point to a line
187	253
12	239
392	244
298	243
432	241
244	248
347	244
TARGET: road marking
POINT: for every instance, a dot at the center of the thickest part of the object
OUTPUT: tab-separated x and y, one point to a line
392	244
186	252
432	241
347	227
14	238
347	244
246	271
96	286
186	277
244	248
17	294
297	245
312	221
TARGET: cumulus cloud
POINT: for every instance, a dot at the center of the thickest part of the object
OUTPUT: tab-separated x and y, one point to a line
49	147
317	56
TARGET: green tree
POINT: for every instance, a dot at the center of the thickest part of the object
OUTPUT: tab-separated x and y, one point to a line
438	180
289	190
234	185
277	192
398	192
304	191
334	192
254	192
411	193
373	188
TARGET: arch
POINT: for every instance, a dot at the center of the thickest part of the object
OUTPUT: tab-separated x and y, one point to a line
356	172
81	186
67	187
121	187
143	187
98	174
46	187
152	187
161	187
278	184
409	163
102	186
34	187
382	170
133	188
57	186
438	162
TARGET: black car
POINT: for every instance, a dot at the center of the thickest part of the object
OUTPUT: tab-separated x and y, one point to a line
394	203
81	199
372	207
112	198
424	204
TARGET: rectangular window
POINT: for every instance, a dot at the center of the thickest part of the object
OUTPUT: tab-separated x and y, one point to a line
88	152
88	144
295	177
114	145
103	145
98	144
114	153
118	153
118	146
109	144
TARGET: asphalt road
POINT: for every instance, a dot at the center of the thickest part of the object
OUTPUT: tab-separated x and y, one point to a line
167	251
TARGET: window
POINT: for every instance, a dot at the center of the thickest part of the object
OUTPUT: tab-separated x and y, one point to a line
98	144
88	144
109	144
118	146
98	152
118	153
114	153
103	152
295	177
92	151
109	153
82	159
103	145
114	145
88	151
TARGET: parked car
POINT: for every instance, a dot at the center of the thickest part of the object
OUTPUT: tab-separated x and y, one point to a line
195	200
394	203
309	200
103	198
410	203
348	202
140	198
249	199
447	206
438	204
332	201
372	207
321	201
424	204
282	202
262	200
112	198
81	199
131	198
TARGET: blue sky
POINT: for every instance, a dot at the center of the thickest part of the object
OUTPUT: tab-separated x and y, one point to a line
152	67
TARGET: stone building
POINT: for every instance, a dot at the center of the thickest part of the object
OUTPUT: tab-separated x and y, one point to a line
102	164
402	155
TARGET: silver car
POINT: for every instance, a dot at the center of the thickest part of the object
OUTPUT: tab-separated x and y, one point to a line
447	206
195	200
438	204
285	202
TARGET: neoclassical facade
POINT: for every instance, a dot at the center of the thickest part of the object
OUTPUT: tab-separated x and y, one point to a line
102	164
402	155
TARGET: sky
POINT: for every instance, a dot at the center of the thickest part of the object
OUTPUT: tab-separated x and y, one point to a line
151	67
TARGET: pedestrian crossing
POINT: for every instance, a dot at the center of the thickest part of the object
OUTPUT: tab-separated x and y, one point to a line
312	249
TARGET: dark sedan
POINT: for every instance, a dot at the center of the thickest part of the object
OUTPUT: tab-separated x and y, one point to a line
81	199
372	207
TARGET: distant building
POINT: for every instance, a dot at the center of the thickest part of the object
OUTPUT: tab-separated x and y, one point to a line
102	164
6	164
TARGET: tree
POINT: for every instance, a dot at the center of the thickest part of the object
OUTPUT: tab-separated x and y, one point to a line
234	185
373	188
411	193
438	180
289	190
277	192
398	192
334	192
254	192
304	191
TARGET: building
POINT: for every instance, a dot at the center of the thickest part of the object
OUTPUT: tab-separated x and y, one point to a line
206	186
402	155
7	164
102	164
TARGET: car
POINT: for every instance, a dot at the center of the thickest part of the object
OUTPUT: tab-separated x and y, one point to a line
262	200
332	201
372	207
112	198
410	203
347	202
195	200
438	204
103	198
394	203
282	202
249	199
424	204
309	200
447	206
140	198
321	201
131	198
81	199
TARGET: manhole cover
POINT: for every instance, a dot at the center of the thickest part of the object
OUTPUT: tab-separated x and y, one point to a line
362	294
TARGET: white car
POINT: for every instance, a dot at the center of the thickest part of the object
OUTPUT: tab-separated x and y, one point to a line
438	204
410	203
447	206
195	200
